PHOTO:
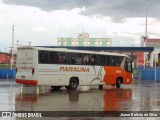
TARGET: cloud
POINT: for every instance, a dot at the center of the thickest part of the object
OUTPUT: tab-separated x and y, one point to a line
41	22
117	9
42	27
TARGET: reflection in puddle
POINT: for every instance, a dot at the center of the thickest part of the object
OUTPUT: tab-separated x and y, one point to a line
43	98
62	100
85	88
28	98
138	98
8	91
114	99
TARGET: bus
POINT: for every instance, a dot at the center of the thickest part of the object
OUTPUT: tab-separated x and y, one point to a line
60	67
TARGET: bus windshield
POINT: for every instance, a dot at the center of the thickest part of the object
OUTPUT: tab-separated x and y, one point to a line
128	65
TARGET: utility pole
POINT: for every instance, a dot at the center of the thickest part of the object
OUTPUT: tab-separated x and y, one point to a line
146	26
146	31
12	50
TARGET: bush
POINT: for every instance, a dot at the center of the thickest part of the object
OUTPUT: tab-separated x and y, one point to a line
6	66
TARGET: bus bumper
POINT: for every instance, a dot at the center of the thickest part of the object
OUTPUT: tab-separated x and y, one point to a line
27	82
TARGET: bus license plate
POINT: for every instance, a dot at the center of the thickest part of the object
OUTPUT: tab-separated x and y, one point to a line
23	77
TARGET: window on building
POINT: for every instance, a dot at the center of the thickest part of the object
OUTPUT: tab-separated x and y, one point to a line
65	42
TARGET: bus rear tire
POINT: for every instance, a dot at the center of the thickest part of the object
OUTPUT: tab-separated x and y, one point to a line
56	87
118	83
73	84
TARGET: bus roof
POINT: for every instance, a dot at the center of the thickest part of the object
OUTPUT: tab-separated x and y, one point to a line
70	50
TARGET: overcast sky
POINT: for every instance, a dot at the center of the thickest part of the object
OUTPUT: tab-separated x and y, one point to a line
41	22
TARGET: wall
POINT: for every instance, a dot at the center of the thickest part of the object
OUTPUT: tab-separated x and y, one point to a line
148	74
5	72
139	74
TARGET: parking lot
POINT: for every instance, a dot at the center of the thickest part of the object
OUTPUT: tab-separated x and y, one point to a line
140	96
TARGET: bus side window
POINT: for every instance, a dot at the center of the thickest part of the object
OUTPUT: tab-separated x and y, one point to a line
107	60
61	58
86	59
53	58
76	59
92	59
102	60
111	60
72	59
118	60
43	57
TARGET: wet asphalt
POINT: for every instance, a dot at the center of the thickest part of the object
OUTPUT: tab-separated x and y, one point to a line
140	96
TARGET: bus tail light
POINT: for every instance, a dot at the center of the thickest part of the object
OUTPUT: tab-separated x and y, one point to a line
32	71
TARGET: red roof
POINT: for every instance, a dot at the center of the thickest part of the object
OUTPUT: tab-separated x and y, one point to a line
152	40
4	58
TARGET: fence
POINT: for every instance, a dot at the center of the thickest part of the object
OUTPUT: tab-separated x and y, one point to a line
147	74
139	74
7	74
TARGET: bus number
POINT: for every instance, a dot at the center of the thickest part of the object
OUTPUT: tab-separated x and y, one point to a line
118	71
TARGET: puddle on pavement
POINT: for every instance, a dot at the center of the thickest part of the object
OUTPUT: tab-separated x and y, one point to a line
137	97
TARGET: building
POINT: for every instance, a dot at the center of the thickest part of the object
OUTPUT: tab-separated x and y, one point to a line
152	42
5	58
84	40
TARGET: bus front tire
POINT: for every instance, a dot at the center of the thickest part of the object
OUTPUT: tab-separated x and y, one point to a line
73	84
56	87
118	83
100	87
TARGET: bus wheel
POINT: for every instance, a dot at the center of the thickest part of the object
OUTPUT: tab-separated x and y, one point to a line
118	83
56	87
73	84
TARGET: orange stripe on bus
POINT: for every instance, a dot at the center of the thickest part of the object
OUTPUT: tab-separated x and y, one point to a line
27	82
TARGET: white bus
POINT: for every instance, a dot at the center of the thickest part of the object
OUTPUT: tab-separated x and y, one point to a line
65	67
